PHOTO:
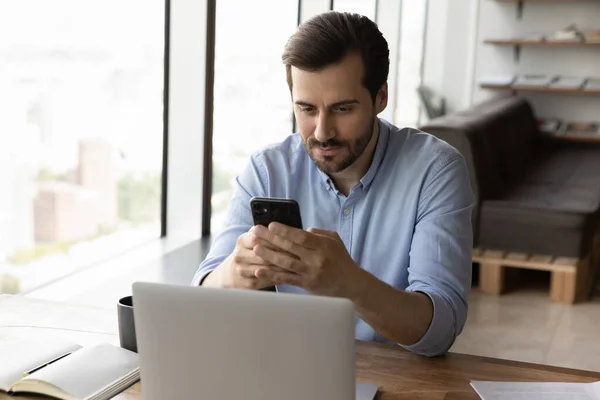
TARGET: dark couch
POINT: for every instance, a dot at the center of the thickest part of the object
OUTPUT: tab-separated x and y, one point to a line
536	194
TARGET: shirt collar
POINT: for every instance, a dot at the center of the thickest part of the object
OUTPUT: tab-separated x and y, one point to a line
382	141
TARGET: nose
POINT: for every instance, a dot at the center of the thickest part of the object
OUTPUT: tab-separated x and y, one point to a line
324	130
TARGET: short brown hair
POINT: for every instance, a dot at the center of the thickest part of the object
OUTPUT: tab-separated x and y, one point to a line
327	38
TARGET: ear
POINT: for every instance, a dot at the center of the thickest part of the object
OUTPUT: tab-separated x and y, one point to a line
381	99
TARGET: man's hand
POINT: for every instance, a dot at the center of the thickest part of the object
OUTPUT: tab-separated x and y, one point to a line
239	269
315	260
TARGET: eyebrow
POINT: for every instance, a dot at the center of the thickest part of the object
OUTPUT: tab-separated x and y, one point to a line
336	104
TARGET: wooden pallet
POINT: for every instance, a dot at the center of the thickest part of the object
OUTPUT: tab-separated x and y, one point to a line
571	278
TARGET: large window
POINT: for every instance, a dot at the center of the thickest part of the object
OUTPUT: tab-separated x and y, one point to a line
410	62
252	105
251	98
81	108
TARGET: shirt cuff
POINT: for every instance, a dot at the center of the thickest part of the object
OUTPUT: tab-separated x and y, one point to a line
441	333
200	276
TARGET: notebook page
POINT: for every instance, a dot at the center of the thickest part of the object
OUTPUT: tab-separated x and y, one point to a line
89	370
534	391
20	355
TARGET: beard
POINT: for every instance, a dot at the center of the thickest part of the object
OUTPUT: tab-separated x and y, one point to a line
351	150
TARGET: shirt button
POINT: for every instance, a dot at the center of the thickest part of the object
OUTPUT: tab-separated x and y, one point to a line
347	211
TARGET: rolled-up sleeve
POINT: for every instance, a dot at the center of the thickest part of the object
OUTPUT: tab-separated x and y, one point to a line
238	220
440	253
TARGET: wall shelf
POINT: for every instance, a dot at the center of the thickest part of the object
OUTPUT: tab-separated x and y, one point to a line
517	44
542	43
540	89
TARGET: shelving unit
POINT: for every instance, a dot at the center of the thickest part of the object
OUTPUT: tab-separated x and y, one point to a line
518	44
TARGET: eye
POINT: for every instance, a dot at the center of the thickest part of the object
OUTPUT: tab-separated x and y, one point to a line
343	110
307	110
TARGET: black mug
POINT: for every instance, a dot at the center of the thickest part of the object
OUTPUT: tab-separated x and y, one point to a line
126	324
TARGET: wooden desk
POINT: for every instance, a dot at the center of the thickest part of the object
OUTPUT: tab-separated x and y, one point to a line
400	374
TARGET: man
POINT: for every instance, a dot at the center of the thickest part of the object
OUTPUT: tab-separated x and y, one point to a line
389	209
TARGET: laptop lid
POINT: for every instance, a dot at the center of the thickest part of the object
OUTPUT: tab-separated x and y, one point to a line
240	344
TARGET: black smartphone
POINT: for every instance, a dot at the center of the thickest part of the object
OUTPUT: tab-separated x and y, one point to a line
269	209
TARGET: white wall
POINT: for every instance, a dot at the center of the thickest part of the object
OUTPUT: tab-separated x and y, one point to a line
456	56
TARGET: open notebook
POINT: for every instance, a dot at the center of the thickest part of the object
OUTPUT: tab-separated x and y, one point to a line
66	370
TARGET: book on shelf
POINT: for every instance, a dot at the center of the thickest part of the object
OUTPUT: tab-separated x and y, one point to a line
66	370
582	129
533	80
569	34
567	82
497	80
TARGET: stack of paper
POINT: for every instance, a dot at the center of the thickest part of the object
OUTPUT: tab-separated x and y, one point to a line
536	390
569	34
533	80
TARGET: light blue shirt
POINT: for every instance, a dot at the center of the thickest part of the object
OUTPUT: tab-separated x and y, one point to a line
408	221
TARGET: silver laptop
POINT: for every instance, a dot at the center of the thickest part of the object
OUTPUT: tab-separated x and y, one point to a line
206	343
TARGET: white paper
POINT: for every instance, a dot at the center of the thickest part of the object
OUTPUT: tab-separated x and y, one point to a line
536	390
89	370
366	391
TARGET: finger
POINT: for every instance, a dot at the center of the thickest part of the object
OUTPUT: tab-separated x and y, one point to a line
249	271
279	278
247	257
324	232
280	259
283	244
249	240
295	235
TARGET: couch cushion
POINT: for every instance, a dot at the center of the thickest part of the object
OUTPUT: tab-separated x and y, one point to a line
553	211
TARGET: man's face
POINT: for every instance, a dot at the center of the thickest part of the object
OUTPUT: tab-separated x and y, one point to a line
335	112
